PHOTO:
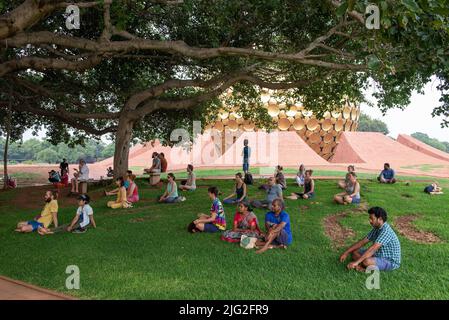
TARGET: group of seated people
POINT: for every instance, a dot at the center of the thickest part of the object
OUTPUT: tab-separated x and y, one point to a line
49	216
127	192
159	163
277	223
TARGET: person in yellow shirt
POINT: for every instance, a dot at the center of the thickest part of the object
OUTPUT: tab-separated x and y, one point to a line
122	201
42	221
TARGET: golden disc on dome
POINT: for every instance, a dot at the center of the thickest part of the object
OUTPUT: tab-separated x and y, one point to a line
315	147
315	138
354	114
327	115
327	125
282	114
273	110
248	126
339	125
299	124
348	125
233	125
327	148
283	124
291	112
291	119
219	126
309	133
322	133
346	112
240	120
328	138
312	124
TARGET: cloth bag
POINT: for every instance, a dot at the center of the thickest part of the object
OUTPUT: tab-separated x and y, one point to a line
247	242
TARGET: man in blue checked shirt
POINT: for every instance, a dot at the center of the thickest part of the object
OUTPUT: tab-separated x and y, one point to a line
385	253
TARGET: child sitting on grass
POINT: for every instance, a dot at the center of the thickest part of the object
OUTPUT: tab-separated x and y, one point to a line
433	189
84	216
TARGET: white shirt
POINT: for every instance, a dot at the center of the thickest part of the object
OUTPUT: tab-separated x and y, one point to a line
84	212
84	173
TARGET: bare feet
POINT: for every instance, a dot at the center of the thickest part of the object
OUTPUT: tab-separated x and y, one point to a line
265	248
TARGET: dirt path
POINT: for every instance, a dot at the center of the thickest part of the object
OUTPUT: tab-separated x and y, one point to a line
335	231
405	227
17	290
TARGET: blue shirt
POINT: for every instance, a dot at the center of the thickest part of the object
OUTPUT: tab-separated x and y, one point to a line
246	153
126	184
388	174
271	218
391	247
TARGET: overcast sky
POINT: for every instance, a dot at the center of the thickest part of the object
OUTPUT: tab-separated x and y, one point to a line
417	117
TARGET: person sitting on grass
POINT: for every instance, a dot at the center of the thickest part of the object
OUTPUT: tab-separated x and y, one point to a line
126	184
280	178
274	191
384	253
352	191
387	175
433	189
309	188
65	178
245	223
109	172
42	221
121	201
190	183
133	191
278	230
156	165
343	183
239	191
171	193
216	221
54	176
164	163
300	176
81	175
84	216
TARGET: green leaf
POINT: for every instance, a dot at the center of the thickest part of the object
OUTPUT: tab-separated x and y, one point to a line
373	62
341	10
411	5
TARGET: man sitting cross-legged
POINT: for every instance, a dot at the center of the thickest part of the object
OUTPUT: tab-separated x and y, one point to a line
387	175
274	191
385	253
277	225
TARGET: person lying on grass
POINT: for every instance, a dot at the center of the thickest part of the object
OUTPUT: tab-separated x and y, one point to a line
239	191
387	175
278	231
309	188
434	188
352	193
126	184
171	192
121	201
245	223
384	253
343	183
84	217
42	221
274	191
214	222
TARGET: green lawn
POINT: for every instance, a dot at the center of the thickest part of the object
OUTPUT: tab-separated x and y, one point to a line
146	252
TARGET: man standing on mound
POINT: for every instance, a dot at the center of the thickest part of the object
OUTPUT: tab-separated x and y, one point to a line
385	253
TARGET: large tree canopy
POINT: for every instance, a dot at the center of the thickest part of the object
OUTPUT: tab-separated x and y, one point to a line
141	68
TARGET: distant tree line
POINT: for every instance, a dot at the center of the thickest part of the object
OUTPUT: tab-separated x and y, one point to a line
368	124
441	145
41	151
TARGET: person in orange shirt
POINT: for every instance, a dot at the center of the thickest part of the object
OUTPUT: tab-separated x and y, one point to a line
42	221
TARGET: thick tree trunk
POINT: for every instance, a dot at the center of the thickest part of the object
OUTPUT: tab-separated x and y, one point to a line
5	162
122	145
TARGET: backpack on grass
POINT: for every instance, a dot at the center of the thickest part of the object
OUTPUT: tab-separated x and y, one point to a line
248	178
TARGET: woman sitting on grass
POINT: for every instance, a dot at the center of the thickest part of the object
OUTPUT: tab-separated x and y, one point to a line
309	188
126	184
42	221
280	178
352	191
133	190
190	183
344	183
245	223
171	193
214	222
121	201
301	175
239	191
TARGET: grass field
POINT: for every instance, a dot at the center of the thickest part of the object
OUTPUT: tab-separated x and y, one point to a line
146	253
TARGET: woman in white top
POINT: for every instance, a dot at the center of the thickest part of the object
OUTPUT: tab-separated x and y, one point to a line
81	174
300	176
190	184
